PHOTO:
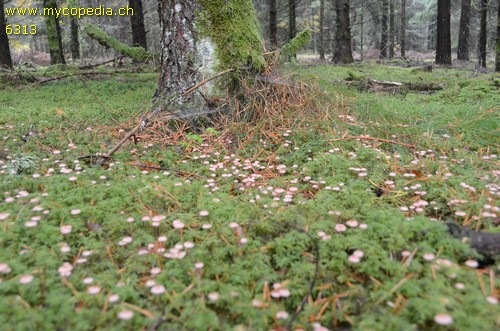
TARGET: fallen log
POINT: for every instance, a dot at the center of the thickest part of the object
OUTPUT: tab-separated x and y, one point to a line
374	85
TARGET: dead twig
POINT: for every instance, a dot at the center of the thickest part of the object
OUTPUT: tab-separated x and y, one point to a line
200	84
374	139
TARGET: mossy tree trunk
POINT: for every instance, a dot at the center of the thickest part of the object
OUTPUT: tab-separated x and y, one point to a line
343	50
53	34
230	24
5	57
137	23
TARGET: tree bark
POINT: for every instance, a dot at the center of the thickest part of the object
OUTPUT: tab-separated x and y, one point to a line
362	31
230	24
343	51
273	23
137	24
53	34
443	40
497	66
75	43
403	29
385	30
292	24
464	33
482	33
391	29
5	57
322	30
179	67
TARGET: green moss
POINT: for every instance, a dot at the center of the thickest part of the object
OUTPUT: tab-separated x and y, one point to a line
384	291
293	46
232	26
136	53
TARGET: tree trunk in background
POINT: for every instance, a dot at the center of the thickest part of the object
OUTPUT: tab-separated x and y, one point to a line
59	35
343	51
463	36
443	40
403	29
273	23
292	21
75	43
5	57
482	33
497	66
385	30
322	30
292	24
391	29
179	70
362	32
53	34
137	23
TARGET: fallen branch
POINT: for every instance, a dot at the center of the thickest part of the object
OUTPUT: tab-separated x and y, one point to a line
374	139
191	89
138	54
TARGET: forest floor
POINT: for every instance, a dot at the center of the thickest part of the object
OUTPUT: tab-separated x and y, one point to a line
292	222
